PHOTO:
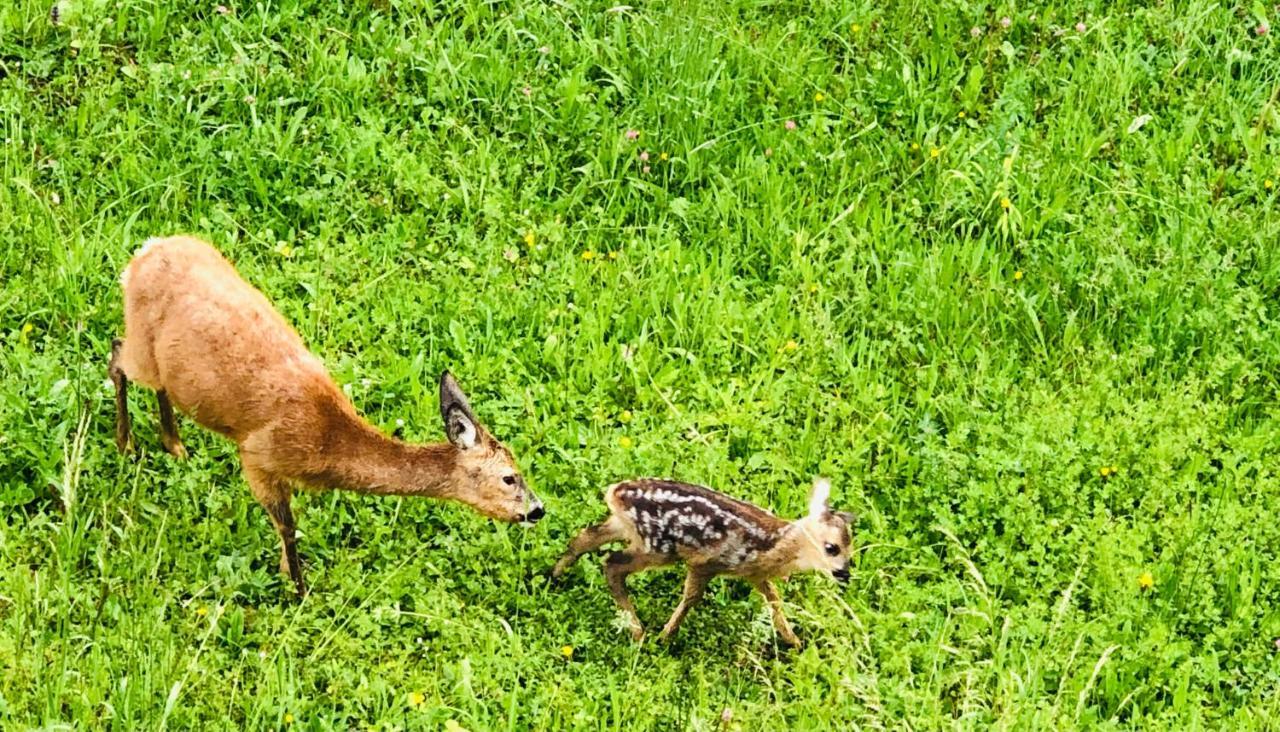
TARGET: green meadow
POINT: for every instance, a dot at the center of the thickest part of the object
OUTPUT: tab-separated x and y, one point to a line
1014	287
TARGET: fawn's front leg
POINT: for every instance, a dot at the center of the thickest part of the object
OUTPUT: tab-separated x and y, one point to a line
779	619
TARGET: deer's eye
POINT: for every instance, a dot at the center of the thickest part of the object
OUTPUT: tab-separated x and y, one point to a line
509	479
832	550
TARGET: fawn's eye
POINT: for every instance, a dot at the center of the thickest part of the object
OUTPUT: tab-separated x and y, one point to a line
832	550
509	479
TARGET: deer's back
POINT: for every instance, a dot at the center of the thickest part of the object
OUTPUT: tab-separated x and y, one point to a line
694	523
212	341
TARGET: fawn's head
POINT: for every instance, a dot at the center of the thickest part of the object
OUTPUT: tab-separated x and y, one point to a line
485	475
824	535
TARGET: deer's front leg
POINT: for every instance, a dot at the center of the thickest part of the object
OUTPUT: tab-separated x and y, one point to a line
275	494
779	618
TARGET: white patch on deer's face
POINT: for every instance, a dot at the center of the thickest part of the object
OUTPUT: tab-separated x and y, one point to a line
489	481
822	545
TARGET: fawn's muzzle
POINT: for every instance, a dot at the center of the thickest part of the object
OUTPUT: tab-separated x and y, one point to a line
841	574
534	514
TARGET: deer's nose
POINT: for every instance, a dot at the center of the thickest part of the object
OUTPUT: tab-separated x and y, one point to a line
535	513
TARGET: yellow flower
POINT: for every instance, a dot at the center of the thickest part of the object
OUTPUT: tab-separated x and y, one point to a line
288	718
566	651
1005	203
613	255
416	698
588	255
1268	184
915	147
529	238
934	152
813	289
1017	275
202	611
855	28
663	157
625	417
819	97
790	346
625	442
284	250
1146	581
961	115
1104	471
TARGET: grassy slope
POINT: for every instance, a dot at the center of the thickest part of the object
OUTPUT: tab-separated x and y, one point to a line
962	370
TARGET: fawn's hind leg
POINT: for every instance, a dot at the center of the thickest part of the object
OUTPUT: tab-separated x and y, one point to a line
695	583
616	569
121	382
169	427
590	539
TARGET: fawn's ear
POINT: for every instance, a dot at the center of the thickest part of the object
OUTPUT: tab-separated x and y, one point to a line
818	496
460	424
849	519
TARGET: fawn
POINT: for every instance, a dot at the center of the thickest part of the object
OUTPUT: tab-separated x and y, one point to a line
664	522
212	345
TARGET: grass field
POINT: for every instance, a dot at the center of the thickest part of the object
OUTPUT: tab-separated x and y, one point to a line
1015	289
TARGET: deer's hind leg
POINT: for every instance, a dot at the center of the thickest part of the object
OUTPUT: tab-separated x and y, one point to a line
695	583
617	567
589	539
124	440
169	427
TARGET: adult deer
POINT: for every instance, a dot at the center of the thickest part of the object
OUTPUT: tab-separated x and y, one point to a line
212	345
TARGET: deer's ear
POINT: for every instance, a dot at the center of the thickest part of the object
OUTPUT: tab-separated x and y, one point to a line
818	496
460	424
849	519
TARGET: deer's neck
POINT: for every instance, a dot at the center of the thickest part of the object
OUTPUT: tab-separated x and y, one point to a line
365	460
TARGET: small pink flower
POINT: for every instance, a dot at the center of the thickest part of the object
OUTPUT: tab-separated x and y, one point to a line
645	169
250	99
527	91
222	10
633	134
1262	29
789	124
975	31
644	156
1080	27
768	152
1006	21
544	50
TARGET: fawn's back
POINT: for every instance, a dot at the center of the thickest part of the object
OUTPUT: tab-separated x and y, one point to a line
694	523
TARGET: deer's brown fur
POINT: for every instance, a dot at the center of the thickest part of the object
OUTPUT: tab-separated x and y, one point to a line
213	346
663	522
